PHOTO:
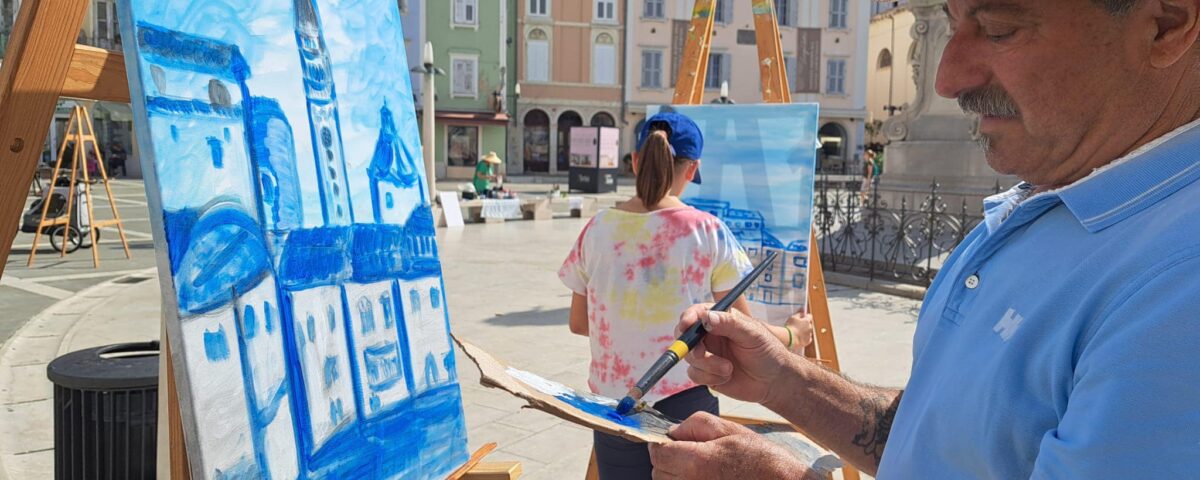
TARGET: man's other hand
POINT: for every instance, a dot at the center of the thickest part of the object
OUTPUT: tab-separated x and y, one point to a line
705	446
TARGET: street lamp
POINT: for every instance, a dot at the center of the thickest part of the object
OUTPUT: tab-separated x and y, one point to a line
427	125
724	98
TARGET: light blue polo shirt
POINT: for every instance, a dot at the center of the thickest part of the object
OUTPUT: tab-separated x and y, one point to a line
1062	338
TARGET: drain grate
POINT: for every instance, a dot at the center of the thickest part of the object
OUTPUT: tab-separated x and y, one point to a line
131	279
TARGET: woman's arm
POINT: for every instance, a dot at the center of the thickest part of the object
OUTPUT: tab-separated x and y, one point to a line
578	320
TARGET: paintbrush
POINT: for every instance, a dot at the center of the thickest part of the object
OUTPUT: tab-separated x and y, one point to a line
686	342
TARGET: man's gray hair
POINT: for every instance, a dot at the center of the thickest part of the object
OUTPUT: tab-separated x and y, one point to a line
1117	7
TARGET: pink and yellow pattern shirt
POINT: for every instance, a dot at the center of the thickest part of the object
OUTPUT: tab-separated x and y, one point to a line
639	271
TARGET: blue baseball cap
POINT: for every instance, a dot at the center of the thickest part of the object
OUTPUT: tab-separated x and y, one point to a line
682	133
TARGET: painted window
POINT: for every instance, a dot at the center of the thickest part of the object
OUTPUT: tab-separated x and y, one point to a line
798	261
718	70
249	323
268	317
835	76
537	56
366	315
798	281
217	152
464	76
652	68
435	298
466	12
414	300
837	13
540	8
653	9
216	346
767	277
604	60
606	11
462	145
331	319
389	320
312	329
723	13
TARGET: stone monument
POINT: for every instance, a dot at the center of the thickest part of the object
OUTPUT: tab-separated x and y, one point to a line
933	139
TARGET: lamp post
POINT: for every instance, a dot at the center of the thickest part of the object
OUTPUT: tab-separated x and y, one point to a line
427	124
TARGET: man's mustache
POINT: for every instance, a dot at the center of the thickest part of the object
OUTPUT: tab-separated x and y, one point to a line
990	101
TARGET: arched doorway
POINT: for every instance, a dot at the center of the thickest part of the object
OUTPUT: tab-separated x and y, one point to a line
832	157
566	121
603	119
537	142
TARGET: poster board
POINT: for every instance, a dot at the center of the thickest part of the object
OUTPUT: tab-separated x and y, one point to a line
295	240
451	209
758	178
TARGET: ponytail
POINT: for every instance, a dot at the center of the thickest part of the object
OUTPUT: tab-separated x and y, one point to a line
656	169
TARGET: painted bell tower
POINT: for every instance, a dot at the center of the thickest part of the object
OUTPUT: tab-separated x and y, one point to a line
323	115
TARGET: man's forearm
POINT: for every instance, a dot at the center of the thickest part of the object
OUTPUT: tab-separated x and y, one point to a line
852	420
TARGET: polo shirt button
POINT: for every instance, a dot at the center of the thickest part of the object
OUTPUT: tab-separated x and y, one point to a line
972	281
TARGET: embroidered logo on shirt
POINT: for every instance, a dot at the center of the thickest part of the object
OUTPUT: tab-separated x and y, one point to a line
1008	325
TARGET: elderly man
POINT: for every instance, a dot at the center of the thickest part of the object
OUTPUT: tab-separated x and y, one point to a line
1061	339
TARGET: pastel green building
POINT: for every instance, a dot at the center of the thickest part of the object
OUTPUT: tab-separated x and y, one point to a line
470	39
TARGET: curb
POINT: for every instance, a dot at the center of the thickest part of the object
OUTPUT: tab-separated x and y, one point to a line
26	395
878	286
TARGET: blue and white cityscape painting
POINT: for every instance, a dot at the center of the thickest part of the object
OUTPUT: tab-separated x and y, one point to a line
758	178
306	304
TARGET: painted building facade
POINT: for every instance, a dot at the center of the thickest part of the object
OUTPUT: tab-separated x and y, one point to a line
470	42
570	65
824	43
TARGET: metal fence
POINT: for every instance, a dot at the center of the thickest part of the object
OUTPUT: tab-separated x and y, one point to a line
860	233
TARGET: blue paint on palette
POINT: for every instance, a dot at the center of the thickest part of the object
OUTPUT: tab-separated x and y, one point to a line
300	239
602	410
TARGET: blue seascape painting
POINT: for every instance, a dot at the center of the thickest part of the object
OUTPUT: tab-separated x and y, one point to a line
306	307
758	178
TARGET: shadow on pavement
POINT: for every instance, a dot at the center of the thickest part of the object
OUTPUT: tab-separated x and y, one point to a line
537	318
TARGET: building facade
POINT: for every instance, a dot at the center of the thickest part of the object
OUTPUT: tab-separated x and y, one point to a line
890	84
470	43
824	43
570	59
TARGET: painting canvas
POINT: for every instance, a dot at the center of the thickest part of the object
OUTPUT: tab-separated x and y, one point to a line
758	178
304	295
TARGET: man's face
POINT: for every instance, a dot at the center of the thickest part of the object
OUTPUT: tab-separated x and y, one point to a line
1047	78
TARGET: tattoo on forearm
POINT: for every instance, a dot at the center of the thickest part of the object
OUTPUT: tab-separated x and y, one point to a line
878	412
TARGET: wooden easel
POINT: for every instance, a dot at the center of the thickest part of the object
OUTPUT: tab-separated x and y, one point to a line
42	64
80	131
689	90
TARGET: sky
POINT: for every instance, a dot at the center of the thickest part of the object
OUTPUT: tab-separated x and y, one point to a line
366	46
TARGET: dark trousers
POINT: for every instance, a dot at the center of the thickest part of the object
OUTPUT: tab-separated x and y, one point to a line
620	459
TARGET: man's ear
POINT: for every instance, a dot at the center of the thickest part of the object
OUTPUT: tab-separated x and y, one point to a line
633	161
1178	26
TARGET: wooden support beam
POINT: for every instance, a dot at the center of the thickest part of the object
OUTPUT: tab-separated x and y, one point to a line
689	86
31	80
96	74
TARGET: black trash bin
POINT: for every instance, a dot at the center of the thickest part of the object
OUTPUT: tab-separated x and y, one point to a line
106	412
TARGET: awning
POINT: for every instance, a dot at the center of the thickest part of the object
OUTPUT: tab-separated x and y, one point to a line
479	118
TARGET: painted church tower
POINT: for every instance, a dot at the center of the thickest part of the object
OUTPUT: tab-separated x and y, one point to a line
323	115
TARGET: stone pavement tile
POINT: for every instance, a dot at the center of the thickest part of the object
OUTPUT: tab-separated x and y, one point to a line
531	420
552	444
569	465
24	384
29	351
503	435
37	464
478	415
49	325
529	466
26	427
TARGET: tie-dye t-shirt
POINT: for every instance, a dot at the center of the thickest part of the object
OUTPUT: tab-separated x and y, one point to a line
639	271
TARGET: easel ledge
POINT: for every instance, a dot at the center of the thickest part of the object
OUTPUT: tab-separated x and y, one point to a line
43	63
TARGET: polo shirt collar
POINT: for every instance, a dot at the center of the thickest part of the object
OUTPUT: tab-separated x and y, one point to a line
1122	188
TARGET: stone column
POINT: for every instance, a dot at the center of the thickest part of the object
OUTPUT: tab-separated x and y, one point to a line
933	139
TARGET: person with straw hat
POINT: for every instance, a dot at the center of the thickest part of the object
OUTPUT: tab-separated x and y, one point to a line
485	173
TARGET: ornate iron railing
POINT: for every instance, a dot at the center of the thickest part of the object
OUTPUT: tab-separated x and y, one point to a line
860	233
